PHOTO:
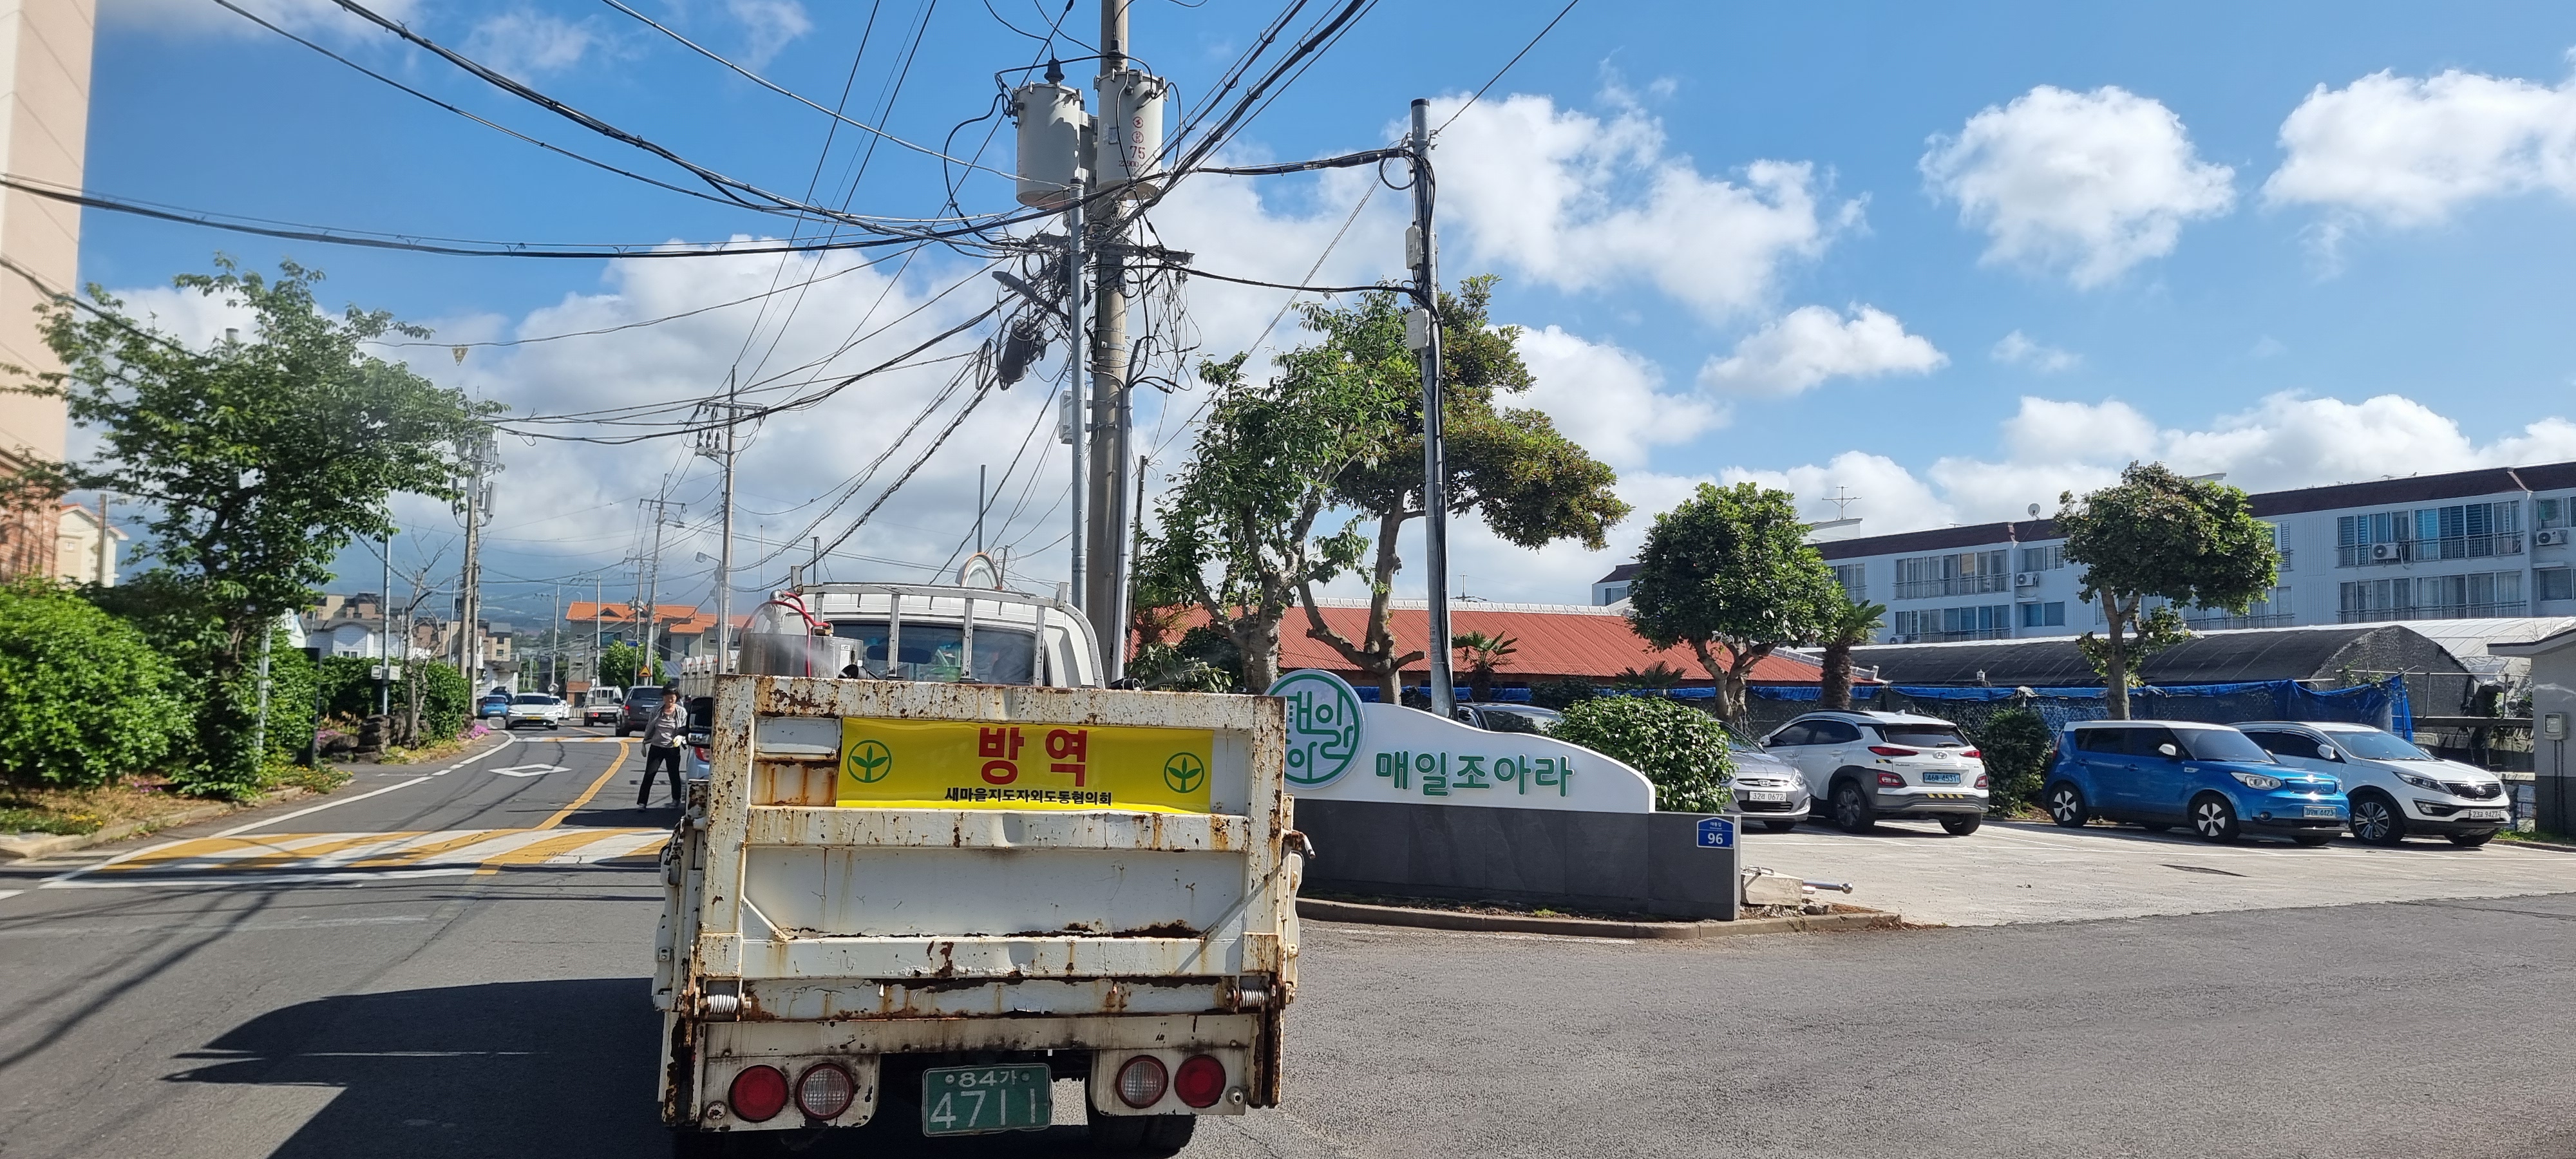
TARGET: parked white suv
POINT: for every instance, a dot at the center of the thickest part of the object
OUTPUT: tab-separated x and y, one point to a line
2396	788
1870	766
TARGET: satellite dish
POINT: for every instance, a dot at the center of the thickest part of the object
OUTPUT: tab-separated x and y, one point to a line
979	572
2034	510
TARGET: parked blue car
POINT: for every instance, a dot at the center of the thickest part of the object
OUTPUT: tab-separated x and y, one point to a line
2163	773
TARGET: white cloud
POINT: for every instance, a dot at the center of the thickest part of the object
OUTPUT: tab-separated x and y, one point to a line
2017	349
524	44
1609	399
2088	184
768	26
205	16
1585	203
2407	151
2050	446
1813	343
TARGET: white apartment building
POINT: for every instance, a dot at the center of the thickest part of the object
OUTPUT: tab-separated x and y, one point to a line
2466	545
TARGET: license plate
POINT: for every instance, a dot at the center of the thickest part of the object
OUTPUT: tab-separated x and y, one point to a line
1766	794
1940	778
2328	812
2483	814
972	1100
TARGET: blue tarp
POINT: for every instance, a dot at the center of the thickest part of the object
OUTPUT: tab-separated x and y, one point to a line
2383	704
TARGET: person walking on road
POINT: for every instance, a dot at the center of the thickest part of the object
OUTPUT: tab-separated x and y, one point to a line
662	748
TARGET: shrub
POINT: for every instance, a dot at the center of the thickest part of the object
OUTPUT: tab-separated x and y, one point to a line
2016	744
88	700
1681	749
446	699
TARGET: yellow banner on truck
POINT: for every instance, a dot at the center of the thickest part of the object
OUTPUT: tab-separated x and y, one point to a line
962	764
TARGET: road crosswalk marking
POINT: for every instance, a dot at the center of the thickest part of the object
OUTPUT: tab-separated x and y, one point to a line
358	856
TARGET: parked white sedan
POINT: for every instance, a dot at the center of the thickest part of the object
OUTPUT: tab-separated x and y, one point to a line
537	708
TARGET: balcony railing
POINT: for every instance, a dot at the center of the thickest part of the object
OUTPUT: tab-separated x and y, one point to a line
2422	550
2433	612
2225	623
1949	637
1965	585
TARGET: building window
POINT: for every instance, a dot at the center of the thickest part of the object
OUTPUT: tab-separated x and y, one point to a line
2549	513
1613	593
2458	531
2477	595
1966	573
2046	557
2553	583
2272	611
1854	579
2050	615
2281	544
1987	622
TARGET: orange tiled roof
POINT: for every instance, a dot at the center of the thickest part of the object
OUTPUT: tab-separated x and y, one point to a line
585	611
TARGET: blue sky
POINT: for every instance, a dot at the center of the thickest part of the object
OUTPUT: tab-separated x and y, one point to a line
1951	261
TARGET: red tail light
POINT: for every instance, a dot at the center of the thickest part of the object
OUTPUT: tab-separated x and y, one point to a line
758	1093
1973	754
1889	750
700	750
1141	1081
1200	1081
1981	780
1890	781
825	1091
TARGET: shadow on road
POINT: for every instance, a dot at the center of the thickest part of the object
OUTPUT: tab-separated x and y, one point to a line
563	1069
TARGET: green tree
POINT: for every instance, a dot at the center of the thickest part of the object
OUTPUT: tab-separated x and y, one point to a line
258	458
1681	749
1850	626
88	700
618	662
1484	654
2159	535
1509	467
1236	533
1730	570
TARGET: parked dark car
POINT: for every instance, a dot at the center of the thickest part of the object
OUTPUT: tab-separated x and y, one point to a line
1509	717
642	701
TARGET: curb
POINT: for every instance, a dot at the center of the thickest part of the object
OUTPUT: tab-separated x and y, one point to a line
29	849
1435	919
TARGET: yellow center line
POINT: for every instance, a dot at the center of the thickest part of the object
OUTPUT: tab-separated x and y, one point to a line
624	747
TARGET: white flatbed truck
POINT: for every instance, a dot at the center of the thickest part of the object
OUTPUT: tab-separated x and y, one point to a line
921	903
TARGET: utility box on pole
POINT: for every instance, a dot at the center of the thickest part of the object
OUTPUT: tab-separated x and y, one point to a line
1051	126
1131	132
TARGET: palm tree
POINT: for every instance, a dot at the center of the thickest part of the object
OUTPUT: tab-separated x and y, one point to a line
1855	624
1484	654
1657	675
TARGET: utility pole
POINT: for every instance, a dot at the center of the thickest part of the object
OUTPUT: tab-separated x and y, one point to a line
106	546
384	636
1109	405
723	450
661	505
470	585
1422	332
1080	412
598	640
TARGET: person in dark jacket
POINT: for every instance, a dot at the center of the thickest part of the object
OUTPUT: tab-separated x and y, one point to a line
662	749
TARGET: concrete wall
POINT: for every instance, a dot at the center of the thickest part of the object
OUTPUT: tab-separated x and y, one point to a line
1626	862
44	130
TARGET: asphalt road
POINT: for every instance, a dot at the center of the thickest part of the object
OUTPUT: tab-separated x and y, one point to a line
497	1006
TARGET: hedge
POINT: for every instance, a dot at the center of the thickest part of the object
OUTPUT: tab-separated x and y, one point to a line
1681	749
87	700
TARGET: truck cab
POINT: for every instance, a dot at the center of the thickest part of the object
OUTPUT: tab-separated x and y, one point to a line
933	873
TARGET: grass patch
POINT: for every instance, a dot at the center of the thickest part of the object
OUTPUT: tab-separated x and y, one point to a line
316	779
51	810
22	820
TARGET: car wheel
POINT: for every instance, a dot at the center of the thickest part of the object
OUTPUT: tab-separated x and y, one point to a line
2313	840
621	730
2471	840
2214	819
1851	810
1779	826
1962	826
2066	805
2375	820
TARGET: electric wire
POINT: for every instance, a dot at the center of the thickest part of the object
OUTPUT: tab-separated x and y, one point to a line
1507	67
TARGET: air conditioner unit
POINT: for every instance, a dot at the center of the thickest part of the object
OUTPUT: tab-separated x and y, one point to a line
2026	579
2552	538
2387	552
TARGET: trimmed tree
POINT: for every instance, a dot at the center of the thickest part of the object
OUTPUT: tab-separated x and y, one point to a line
2159	535
88	700
1730	574
1681	749
1850	627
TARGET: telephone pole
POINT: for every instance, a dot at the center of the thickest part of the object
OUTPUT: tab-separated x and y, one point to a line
469	584
1422	332
384	637
662	508
723	448
1079	412
1110	409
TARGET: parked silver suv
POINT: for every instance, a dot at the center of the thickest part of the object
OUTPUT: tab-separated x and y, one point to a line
1870	766
2396	788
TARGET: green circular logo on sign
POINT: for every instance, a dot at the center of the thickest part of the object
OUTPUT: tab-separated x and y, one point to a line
870	761
1323	726
1184	772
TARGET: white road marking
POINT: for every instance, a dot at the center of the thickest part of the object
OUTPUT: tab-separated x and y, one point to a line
11	892
531	770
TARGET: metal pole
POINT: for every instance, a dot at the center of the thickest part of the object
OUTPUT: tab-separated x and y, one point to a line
598	640
259	730
724	553
979	508
1435	471
106	573
466	593
384	638
1073	387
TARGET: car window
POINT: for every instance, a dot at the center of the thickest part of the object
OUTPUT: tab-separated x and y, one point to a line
934	651
1516	720
2144	742
531	698
2282	744
1930	736
2222	744
1796	734
2380	746
1834	732
648	697
2101	740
